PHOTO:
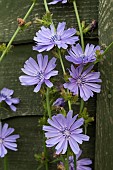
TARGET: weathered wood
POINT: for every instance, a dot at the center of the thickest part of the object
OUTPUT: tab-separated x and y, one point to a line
10	70
11	11
29	144
104	116
23	120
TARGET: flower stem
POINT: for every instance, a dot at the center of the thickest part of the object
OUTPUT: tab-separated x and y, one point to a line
64	72
48	103
61	61
75	161
67	161
16	32
79	24
107	49
82	40
5	163
81	105
46	6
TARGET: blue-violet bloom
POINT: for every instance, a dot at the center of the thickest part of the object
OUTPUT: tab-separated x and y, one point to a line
47	38
84	82
6	95
60	102
81	164
78	56
38	73
56	1
7	140
64	131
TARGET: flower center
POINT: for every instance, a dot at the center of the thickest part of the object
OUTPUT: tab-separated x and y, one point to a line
1	141
79	81
82	56
67	133
55	38
40	75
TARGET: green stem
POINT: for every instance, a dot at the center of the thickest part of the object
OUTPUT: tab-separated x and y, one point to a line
48	103
81	105
5	163
82	40
67	160
79	24
85	127
16	32
107	49
75	161
61	61
64	72
46	6
69	102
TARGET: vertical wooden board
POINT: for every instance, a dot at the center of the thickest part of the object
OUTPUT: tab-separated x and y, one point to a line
104	116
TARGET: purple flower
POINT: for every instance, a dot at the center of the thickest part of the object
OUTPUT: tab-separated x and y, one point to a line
81	164
38	73
7	140
64	131
56	1
6	95
83	82
60	102
77	56
47	38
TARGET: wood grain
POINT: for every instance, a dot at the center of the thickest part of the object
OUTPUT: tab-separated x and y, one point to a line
104	116
25	120
11	11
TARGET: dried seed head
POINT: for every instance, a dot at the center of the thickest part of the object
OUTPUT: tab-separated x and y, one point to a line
20	21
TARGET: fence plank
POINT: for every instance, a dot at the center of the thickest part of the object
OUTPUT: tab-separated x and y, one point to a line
11	11
104	117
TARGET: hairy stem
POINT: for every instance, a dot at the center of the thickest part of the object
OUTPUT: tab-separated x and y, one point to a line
16	32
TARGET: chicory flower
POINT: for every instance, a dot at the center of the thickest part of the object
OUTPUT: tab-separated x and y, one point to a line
47	38
60	102
7	140
64	131
6	95
83	82
81	164
38	73
78	56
